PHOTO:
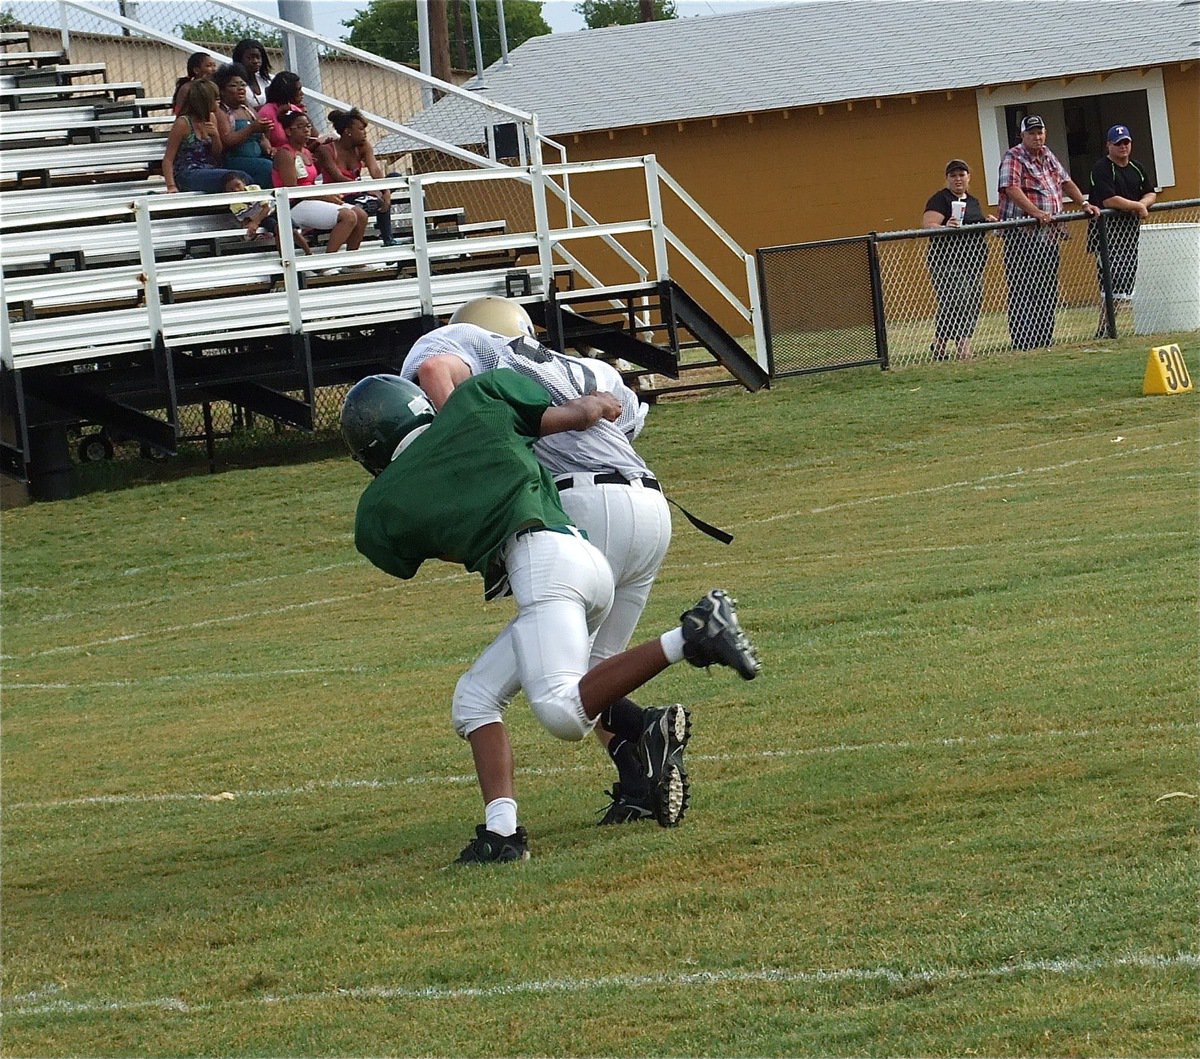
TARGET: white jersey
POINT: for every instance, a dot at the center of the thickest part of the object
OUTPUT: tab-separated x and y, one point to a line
606	447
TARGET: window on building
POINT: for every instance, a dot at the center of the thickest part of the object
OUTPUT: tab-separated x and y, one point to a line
1078	113
1086	121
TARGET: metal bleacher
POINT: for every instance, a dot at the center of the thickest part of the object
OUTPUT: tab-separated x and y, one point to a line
91	334
125	304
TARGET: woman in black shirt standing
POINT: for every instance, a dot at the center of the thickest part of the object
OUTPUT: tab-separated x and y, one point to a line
956	261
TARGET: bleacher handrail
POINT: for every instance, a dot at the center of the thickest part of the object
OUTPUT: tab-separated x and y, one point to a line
554	249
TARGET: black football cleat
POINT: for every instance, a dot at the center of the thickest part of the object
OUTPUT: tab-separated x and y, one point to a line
489	848
627	806
712	636
660	754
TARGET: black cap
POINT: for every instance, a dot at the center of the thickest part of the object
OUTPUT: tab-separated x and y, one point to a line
956	163
1032	122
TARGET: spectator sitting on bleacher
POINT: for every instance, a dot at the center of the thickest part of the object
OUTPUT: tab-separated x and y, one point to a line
200	67
194	144
259	213
285	93
294	167
253	56
242	132
345	158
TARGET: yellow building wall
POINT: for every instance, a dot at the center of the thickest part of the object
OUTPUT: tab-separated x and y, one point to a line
843	170
1181	84
834	171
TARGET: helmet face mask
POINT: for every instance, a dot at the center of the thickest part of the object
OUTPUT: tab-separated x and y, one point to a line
502	316
381	415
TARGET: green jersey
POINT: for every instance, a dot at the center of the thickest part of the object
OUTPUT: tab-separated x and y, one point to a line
465	485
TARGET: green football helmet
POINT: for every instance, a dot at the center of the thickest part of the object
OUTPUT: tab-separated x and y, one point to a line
502	316
381	415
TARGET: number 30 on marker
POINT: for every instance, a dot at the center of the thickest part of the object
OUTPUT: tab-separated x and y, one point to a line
1166	372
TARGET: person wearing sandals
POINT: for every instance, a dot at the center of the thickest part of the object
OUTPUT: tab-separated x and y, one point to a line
343	160
294	167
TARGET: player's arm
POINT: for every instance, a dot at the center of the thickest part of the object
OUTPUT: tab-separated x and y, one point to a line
580	413
1026	203
439	375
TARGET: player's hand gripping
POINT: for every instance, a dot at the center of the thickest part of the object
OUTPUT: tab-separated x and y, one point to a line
580	413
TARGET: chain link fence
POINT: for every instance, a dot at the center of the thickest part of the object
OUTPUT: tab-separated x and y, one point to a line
982	289
223	433
913	297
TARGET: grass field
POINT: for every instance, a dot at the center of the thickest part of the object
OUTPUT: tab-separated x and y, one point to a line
955	815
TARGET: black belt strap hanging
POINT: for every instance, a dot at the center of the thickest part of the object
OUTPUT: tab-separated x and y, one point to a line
615	478
702	526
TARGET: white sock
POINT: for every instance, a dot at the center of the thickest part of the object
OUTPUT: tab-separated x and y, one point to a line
672	645
500	816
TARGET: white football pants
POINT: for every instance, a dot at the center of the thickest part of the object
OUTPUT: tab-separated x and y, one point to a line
631	525
563	588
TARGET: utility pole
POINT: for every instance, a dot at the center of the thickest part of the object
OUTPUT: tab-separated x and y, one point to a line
300	53
439	39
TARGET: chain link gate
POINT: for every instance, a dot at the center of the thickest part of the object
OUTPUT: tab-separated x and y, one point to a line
821	306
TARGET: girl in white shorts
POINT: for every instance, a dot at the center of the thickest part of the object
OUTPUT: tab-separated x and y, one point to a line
294	167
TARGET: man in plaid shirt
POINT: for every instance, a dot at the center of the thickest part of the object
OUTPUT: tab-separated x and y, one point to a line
1032	184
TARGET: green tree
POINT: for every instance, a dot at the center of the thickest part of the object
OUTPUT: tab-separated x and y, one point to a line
600	13
228	31
389	28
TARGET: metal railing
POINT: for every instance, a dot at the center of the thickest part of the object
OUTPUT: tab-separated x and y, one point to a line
414	283
902	298
146	46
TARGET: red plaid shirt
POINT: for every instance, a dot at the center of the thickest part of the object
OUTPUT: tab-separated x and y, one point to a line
1040	177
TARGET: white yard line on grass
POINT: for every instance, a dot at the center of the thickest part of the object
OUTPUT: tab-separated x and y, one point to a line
171	566
973	483
890	976
872	553
166	630
189	594
181	678
375	783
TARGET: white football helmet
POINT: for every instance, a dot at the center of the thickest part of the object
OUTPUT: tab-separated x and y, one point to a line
502	316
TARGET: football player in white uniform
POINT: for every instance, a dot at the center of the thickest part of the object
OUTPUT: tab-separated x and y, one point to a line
463	485
606	489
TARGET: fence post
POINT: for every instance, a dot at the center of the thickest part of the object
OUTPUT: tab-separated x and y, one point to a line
881	342
1105	259
767	350
301	55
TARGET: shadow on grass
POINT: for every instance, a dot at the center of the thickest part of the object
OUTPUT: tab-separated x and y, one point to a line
129	469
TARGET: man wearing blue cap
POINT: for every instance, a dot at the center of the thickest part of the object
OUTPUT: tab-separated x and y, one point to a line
1121	184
